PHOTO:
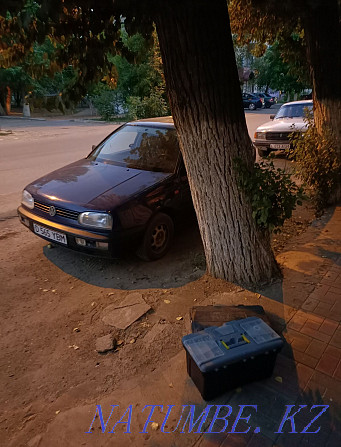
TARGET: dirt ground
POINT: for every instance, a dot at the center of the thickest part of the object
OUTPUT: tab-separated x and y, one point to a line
53	302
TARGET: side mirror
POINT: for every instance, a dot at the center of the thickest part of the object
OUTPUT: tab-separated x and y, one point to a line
92	148
272	117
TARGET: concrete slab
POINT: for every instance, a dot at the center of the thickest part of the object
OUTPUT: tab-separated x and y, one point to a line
123	314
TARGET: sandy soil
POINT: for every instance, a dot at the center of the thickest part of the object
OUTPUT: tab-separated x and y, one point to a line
46	363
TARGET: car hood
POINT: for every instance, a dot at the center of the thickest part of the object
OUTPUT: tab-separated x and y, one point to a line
93	185
283	125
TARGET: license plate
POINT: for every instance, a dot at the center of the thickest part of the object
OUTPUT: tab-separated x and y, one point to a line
279	146
50	234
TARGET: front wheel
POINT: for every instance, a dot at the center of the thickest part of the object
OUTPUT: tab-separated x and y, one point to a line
157	238
252	106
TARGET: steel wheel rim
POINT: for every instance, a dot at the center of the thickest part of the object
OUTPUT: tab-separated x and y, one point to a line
159	237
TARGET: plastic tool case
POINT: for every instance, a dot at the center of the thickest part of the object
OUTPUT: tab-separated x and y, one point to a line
225	357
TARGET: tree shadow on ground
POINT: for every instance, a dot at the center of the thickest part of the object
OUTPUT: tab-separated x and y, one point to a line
293	383
184	263
267	425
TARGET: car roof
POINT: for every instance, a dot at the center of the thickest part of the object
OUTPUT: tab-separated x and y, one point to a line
166	121
303	101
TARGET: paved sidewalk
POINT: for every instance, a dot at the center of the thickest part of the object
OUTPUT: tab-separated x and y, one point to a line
306	307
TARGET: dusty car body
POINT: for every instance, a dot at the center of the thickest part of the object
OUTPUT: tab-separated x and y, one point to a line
274	135
126	192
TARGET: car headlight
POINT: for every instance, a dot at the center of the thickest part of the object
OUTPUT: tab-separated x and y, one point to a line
260	135
27	199
96	220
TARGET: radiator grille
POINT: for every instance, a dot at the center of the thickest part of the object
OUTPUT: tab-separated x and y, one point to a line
277	135
62	212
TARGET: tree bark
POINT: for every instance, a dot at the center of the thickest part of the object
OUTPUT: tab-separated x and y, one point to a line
205	97
323	38
8	100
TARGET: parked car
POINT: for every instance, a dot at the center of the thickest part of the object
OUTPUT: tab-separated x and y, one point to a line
267	100
274	134
127	191
251	102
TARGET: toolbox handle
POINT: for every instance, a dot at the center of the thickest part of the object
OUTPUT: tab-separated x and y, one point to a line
232	343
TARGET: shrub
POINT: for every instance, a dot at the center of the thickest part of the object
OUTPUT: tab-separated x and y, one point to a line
271	192
108	103
149	106
318	162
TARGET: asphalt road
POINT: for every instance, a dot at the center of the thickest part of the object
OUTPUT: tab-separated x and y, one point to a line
35	148
32	148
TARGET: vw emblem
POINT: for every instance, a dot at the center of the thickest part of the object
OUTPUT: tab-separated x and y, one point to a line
52	211
280	135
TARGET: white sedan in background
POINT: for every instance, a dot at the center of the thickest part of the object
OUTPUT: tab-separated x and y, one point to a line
274	134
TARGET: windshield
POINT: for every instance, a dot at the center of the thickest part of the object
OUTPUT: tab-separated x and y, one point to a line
140	147
294	110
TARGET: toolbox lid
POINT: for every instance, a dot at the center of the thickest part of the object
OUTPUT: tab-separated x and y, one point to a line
240	340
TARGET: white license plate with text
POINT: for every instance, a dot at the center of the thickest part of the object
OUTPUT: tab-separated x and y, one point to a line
50	234
279	146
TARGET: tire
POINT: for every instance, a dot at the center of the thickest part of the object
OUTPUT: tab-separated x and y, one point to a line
267	106
263	152
157	238
252	106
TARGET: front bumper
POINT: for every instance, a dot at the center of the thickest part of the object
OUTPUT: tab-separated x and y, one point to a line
95	243
266	144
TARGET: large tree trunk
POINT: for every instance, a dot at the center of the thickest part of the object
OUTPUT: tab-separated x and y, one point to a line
203	88
323	38
8	100
322	35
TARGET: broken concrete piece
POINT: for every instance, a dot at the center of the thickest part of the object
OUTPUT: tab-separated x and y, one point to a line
105	344
123	314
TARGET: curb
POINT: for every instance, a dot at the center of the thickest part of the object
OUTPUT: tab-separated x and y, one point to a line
77	120
22	118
